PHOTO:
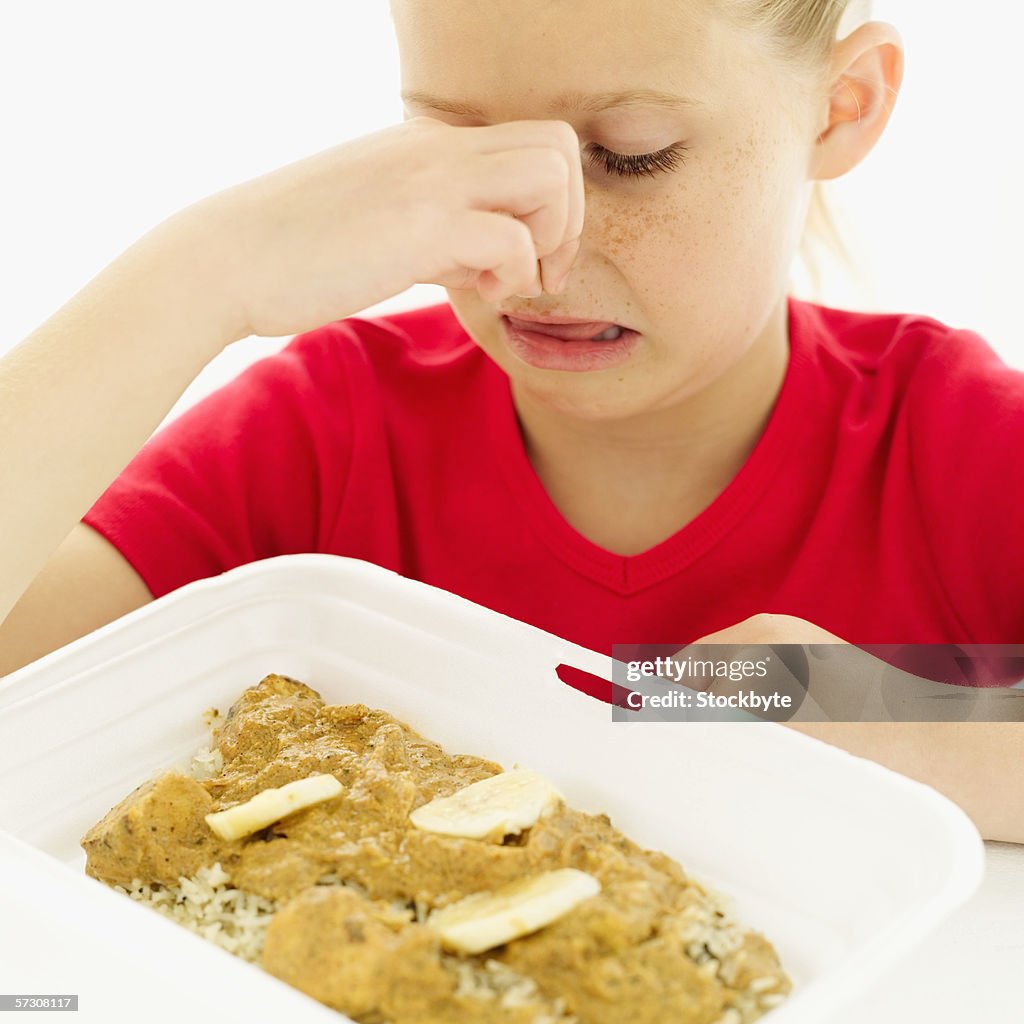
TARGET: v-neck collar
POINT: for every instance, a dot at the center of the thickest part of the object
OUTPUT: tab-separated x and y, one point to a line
628	574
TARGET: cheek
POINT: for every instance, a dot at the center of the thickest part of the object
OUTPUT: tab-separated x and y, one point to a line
672	249
730	228
638	232
715	214
761	191
654	242
682	233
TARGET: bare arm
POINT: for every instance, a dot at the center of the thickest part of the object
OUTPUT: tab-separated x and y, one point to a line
976	764
312	242
82	393
86	583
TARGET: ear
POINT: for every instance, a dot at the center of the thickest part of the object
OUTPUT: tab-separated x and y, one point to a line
865	75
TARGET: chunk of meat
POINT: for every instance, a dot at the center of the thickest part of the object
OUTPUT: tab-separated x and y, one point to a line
353	955
263	718
277	869
156	834
374	963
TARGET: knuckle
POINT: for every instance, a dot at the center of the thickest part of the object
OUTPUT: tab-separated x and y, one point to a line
552	168
565	134
503	241
509	226
759	629
517	234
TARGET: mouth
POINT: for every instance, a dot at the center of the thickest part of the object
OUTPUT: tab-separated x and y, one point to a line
568	328
569	343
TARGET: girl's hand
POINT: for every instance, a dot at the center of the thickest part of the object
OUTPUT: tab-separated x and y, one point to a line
806	661
418	202
767	628
828	678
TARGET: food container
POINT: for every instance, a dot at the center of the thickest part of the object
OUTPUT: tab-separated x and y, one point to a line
842	864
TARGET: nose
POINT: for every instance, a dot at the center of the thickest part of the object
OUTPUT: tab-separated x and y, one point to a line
608	229
572	254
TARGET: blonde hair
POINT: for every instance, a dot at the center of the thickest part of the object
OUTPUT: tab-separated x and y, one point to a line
802	33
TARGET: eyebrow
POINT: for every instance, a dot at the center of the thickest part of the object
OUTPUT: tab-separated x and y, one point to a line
570	101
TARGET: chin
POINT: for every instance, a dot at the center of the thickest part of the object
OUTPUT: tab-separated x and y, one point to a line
593	397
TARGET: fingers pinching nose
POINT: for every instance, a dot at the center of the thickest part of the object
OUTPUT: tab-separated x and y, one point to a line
535	289
558	265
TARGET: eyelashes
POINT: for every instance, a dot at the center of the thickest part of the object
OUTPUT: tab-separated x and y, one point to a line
640	165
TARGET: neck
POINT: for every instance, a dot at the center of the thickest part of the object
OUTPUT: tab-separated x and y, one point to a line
630	483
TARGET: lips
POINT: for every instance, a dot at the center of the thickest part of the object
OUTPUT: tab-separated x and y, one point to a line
567	343
572	330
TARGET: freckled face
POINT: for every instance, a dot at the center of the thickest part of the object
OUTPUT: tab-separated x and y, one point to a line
695	257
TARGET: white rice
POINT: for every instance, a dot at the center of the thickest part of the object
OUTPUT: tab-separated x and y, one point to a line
207	764
508	989
210	906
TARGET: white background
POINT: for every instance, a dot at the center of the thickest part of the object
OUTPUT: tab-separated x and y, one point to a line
115	114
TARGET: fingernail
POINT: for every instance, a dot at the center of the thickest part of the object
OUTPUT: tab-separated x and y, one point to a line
561	283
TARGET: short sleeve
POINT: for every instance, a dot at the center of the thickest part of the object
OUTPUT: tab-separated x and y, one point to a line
253	470
967	438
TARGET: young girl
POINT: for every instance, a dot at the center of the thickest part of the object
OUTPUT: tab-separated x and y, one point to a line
622	429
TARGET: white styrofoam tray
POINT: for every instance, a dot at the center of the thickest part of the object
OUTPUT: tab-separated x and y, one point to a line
841	863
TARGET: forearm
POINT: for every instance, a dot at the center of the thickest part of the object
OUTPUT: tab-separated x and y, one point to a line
83	392
978	765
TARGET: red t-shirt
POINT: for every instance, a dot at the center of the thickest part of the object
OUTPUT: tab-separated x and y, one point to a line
882	502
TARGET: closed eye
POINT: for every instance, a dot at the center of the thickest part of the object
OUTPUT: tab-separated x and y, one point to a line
640	164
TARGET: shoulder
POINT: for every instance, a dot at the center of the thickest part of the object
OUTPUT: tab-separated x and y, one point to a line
937	397
943	416
916	367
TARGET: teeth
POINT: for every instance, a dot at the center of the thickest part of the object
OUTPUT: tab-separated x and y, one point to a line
501	805
488	919
611	334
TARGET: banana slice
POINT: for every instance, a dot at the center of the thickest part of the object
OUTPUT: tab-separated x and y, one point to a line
485	920
501	805
267	807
